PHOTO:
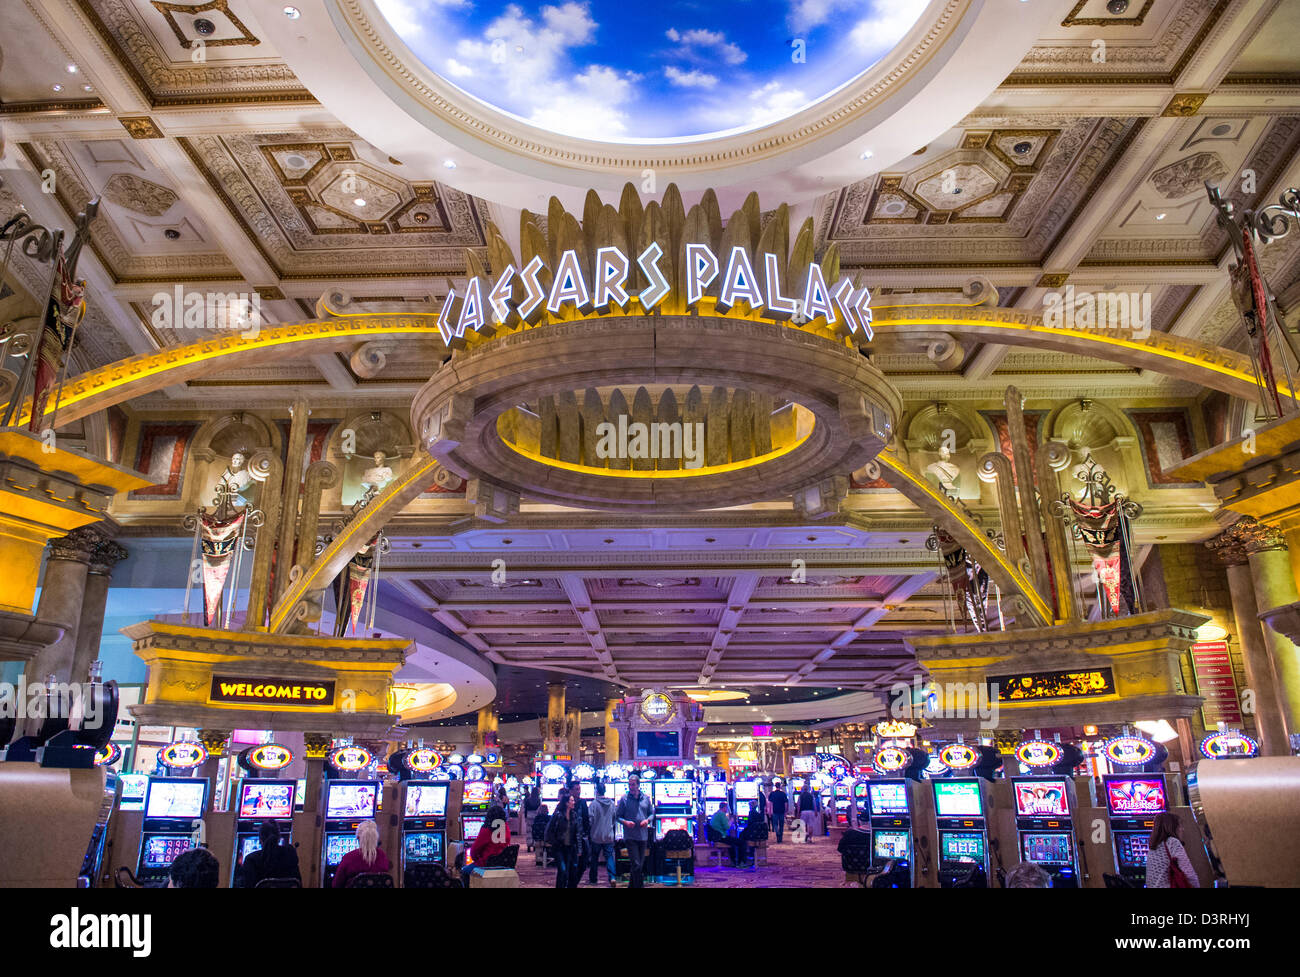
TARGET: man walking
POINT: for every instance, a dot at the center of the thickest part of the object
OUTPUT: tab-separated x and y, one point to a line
635	811
778	802
601	811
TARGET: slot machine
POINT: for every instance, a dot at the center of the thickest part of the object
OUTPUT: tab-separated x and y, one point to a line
963	832
899	808
552	776
746	793
891	821
173	809
475	799
674	802
424	823
261	800
585	775
1045	826
1132	802
715	795
347	803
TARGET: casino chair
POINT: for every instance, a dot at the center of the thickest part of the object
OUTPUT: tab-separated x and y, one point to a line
856	862
429	877
285	883
678	848
897	874
508	857
124	878
368	880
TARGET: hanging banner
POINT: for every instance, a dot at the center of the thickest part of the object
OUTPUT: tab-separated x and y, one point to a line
218	540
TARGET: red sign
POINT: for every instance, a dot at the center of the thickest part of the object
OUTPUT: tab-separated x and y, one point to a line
1212	666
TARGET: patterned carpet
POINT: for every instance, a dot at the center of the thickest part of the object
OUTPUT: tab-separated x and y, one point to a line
789	866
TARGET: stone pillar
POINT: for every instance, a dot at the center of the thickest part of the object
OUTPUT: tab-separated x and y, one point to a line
90	629
214	741
554	731
290	494
317	747
722	758
1270	572
611	734
62	591
573	723
1260	678
485	730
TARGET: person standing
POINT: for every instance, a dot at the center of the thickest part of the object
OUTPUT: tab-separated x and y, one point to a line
532	804
601	814
635	811
777	802
564	836
1168	866
808	805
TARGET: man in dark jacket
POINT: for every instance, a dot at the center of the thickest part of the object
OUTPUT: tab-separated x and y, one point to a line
779	803
272	861
635	812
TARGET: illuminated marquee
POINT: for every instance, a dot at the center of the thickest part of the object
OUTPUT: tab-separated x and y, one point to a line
271	691
107	755
350	758
422	760
271	756
1130	751
1038	753
1027	686
958	756
891	760
182	755
733	280
1229	745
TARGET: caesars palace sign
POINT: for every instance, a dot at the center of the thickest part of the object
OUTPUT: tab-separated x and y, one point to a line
484	306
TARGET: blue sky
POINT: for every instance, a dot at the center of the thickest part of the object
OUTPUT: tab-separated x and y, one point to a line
631	69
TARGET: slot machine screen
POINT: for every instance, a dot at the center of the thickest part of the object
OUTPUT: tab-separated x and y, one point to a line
587	791
551	792
300	795
616	790
424	847
134	788
161	850
1046	849
659	744
247	845
1041	799
747	789
743	808
673	824
266	799
673	792
961	846
351	799
477	793
888	798
425	801
716	790
338	845
1131	848
470	827
175	798
1135	796
957	799
891	844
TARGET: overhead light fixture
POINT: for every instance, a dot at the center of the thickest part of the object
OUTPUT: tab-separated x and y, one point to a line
72	69
1161	217
57	88
866	154
1159	730
1209	631
293	13
449	164
359	202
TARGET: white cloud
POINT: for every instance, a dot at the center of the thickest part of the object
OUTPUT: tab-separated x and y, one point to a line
458	70
409	16
690	79
715	41
772	102
886	25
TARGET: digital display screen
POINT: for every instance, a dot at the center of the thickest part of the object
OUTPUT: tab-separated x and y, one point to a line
1131	848
747	789
134	788
673	792
175	798
423	848
587	790
338	845
1046	849
716	789
711	807
551	792
803	764
957	799
657	743
1041	799
266	799
247	845
961	846
1130	796
674	824
351	799
615	790
425	801
743	808
476	793
300	795
888	798
161	850
470	827
891	844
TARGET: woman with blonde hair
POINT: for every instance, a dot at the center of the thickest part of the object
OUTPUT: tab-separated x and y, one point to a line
366	858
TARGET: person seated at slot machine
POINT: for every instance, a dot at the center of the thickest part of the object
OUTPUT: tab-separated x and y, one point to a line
492	839
721	826
272	861
197	868
1027	875
363	860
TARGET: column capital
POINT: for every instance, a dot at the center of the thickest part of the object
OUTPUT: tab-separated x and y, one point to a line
107	554
1243	538
214	741
78	546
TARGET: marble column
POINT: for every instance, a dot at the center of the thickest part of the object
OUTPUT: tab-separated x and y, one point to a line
1260	677
290	495
573	722
62	592
90	628
611	734
554	732
485	728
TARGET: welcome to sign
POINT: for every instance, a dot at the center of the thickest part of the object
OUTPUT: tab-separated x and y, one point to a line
736	282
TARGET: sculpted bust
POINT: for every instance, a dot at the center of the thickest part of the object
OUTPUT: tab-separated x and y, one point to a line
943	471
374	479
238	480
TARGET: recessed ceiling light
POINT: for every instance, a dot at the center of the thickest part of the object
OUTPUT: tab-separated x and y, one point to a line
1161	217
449	164
866	154
359	202
72	69
57	88
87	88
293	13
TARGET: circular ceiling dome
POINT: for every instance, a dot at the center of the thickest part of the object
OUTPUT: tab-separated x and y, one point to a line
621	72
